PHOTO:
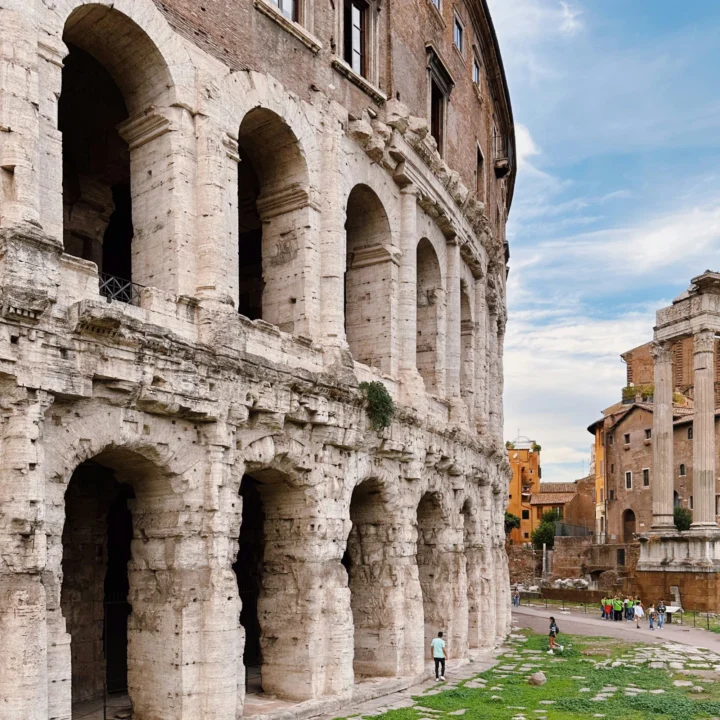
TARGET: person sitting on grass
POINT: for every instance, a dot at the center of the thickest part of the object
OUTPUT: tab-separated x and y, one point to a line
552	637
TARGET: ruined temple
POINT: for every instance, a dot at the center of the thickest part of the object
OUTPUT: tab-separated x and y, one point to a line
217	221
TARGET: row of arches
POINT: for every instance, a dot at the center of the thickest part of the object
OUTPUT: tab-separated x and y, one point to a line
116	211
402	575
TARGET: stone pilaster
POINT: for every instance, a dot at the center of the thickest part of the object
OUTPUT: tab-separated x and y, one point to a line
452	318
481	368
704	433
663	440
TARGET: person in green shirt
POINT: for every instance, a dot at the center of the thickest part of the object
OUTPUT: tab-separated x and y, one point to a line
603	602
617	607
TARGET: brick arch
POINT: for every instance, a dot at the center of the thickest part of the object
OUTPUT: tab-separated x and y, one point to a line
169	80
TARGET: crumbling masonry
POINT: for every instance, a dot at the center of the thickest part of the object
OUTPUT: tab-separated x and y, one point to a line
212	229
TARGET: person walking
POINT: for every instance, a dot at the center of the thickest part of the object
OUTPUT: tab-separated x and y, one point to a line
440	655
552	637
652	615
603	602
631	609
516	598
661	610
638	613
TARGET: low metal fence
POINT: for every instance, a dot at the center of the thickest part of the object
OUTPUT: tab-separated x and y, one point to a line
115	288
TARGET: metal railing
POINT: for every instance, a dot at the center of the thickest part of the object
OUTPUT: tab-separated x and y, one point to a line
115	288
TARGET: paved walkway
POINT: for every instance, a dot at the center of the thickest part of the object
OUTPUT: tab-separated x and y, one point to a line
577	623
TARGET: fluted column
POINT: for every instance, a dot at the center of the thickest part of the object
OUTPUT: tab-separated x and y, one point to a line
704	433
662	493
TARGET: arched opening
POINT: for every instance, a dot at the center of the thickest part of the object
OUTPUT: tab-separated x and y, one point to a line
429	297
365	563
113	72
371	272
676	499
97	561
467	346
434	576
628	526
97	208
273	202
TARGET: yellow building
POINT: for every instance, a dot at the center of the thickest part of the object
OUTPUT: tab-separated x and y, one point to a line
524	456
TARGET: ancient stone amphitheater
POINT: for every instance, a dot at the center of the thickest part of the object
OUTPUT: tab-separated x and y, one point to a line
218	219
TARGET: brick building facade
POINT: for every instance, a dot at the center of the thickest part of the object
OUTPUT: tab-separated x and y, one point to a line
218	219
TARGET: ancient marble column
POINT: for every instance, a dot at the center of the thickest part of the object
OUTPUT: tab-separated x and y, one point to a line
704	433
663	439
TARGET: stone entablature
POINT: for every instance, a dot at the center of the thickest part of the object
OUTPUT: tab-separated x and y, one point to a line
181	424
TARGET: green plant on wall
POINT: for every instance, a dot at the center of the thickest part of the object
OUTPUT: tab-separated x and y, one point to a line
381	408
509	445
683	518
511	522
536	447
630	392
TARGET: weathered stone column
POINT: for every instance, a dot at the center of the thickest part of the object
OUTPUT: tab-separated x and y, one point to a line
486	598
481	368
217	217
452	318
407	306
663	440
24	655
704	433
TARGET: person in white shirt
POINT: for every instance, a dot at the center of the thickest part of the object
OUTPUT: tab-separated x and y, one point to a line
439	654
638	614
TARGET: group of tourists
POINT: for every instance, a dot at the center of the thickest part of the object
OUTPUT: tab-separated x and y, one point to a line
632	609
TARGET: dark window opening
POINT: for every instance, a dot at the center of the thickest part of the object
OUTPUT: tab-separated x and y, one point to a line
683	471
690	433
627	438
611	439
480	175
628	480
437	114
525	514
648	433
612	495
646	477
621	557
355	25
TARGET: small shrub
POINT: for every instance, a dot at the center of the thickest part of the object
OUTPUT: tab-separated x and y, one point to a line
544	534
683	518
380	405
511	522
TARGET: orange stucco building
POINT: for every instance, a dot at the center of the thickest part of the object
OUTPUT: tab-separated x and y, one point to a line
524	456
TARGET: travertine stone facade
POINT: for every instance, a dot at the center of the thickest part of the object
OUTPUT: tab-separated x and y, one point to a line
189	481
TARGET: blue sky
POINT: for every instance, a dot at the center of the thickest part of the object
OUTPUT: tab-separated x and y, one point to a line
617	202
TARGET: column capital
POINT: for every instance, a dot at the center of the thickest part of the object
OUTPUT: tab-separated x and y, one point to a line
662	351
704	341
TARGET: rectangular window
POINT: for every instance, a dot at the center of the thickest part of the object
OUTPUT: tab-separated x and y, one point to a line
480	175
690	433
355	21
602	524
627	438
628	480
525	514
691	502
682	470
527	535
621	557
437	114
458	34
646	477
612	468
436	3
476	71
289	8
648	433
612	495
611	439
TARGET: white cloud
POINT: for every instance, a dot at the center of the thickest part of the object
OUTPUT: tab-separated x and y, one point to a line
571	23
525	146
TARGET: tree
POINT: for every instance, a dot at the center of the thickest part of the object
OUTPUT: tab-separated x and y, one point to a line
683	518
544	534
511	522
551	516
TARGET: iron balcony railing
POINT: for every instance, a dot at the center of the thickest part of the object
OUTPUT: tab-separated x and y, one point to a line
115	288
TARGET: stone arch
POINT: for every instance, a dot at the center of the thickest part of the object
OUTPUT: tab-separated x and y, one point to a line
166	467
430	298
385	595
628	523
467	345
121	115
273	207
370	279
298	556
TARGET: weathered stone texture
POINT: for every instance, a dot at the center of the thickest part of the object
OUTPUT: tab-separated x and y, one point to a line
190	483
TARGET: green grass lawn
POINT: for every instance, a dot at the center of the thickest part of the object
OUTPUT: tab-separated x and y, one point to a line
581	683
